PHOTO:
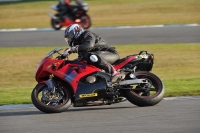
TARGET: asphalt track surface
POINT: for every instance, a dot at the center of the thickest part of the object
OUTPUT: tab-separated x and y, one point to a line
171	115
114	36
180	115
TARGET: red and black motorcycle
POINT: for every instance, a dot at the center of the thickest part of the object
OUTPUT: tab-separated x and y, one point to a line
62	83
78	16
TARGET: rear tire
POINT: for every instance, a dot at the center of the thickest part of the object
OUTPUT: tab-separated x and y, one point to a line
51	105
148	94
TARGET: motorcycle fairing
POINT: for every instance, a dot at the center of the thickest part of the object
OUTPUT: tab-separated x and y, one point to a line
85	88
45	69
99	87
67	22
70	74
73	72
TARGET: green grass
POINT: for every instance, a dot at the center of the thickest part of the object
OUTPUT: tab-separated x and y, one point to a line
33	13
176	64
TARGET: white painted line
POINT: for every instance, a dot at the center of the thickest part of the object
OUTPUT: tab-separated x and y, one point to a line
182	98
9	0
20	106
106	27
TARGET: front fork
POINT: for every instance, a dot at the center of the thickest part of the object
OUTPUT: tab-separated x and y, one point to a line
53	94
51	84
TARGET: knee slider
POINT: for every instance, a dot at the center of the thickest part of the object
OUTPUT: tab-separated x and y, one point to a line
93	58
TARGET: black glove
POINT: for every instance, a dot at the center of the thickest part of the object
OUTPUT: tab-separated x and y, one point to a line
66	53
60	57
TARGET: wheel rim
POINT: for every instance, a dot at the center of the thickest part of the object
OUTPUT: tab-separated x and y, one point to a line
149	89
45	96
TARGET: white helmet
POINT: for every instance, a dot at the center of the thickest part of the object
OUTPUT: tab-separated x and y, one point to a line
72	32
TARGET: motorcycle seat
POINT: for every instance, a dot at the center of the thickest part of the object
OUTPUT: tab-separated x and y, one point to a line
119	61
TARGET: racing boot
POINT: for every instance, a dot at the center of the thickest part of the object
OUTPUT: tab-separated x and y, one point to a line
117	76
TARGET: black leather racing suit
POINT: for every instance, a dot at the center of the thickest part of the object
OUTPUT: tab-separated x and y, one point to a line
92	44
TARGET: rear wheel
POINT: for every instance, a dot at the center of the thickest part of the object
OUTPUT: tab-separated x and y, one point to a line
51	102
148	94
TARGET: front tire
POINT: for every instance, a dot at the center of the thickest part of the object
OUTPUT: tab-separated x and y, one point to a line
47	102
148	94
85	22
55	23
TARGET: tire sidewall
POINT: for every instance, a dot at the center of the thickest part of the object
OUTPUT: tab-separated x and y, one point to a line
49	109
142	100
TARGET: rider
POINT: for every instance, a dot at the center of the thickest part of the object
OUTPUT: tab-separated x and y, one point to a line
79	2
92	48
65	7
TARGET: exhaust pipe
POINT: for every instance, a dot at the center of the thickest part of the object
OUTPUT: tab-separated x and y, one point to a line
133	81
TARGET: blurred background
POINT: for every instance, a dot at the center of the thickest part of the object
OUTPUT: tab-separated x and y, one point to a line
33	13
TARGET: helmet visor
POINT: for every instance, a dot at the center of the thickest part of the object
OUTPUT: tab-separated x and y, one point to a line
69	41
69	37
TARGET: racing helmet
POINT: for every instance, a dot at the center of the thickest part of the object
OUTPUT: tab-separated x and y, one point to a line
72	32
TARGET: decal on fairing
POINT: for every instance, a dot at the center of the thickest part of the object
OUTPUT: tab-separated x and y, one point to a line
70	74
88	95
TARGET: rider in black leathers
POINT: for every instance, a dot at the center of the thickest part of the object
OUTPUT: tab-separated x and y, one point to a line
92	48
66	9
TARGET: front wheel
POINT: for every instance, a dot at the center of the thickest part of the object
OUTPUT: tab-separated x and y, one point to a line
85	21
51	102
55	23
148	94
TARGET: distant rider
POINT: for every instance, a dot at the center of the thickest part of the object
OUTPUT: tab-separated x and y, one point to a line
65	6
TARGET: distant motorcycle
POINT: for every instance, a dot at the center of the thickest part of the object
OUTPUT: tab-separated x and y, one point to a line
62	83
79	16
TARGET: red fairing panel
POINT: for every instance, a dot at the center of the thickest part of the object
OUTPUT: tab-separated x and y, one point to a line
120	65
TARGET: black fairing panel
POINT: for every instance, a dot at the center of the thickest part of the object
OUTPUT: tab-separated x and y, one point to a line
142	65
86	88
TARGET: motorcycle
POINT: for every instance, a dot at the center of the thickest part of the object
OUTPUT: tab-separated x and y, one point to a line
78	16
63	83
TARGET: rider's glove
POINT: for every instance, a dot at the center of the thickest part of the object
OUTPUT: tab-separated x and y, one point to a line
62	56
66	53
74	49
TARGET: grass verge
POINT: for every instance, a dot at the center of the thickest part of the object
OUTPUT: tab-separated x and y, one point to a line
176	64
33	13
